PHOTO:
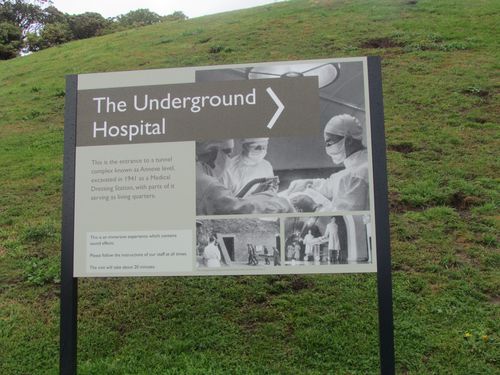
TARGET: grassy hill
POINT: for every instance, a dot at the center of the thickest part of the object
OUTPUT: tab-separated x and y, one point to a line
441	83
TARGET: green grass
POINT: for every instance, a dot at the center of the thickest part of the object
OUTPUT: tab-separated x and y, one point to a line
440	78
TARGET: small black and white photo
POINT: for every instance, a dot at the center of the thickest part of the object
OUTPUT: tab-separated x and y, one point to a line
326	171
328	240
238	243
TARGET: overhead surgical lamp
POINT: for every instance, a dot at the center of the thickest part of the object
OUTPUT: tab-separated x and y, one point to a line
326	73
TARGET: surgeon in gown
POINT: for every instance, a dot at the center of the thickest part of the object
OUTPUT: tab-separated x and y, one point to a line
213	198
332	236
347	189
211	254
214	156
248	165
309	244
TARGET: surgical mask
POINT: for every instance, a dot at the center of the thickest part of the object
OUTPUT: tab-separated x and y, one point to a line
220	162
256	155
337	151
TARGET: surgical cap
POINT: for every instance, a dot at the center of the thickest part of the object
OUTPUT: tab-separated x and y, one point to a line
254	140
345	125
228	143
205	146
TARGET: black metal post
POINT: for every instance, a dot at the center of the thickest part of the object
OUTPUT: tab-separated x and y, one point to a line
69	284
384	279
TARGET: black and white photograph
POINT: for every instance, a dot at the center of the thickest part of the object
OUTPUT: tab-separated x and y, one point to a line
238	243
325	171
328	240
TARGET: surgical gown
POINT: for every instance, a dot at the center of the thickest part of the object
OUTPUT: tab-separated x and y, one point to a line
213	198
309	242
241	171
212	255
347	189
333	236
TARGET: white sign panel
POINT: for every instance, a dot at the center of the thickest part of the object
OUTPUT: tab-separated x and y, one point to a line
225	170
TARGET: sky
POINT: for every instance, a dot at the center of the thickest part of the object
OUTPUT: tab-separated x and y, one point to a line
191	8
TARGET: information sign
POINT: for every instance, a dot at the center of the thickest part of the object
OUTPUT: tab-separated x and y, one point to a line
242	169
263	168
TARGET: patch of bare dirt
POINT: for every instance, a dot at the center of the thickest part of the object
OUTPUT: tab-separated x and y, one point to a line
404	147
396	205
298	283
462	202
495	300
384	42
475	91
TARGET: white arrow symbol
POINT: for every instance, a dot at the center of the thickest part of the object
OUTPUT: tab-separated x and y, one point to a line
280	109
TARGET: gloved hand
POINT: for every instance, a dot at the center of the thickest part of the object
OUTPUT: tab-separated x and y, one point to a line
298	185
268	185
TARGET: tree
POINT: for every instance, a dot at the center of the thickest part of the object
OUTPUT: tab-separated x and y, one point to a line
42	25
139	17
55	30
176	16
11	40
51	35
87	25
18	18
53	15
56	33
25	14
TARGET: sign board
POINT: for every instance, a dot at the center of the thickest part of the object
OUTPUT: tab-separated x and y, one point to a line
264	168
240	169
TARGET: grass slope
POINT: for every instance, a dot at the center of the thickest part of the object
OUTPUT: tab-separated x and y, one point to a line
440	67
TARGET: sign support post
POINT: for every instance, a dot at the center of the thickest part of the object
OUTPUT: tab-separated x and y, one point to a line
69	283
384	280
